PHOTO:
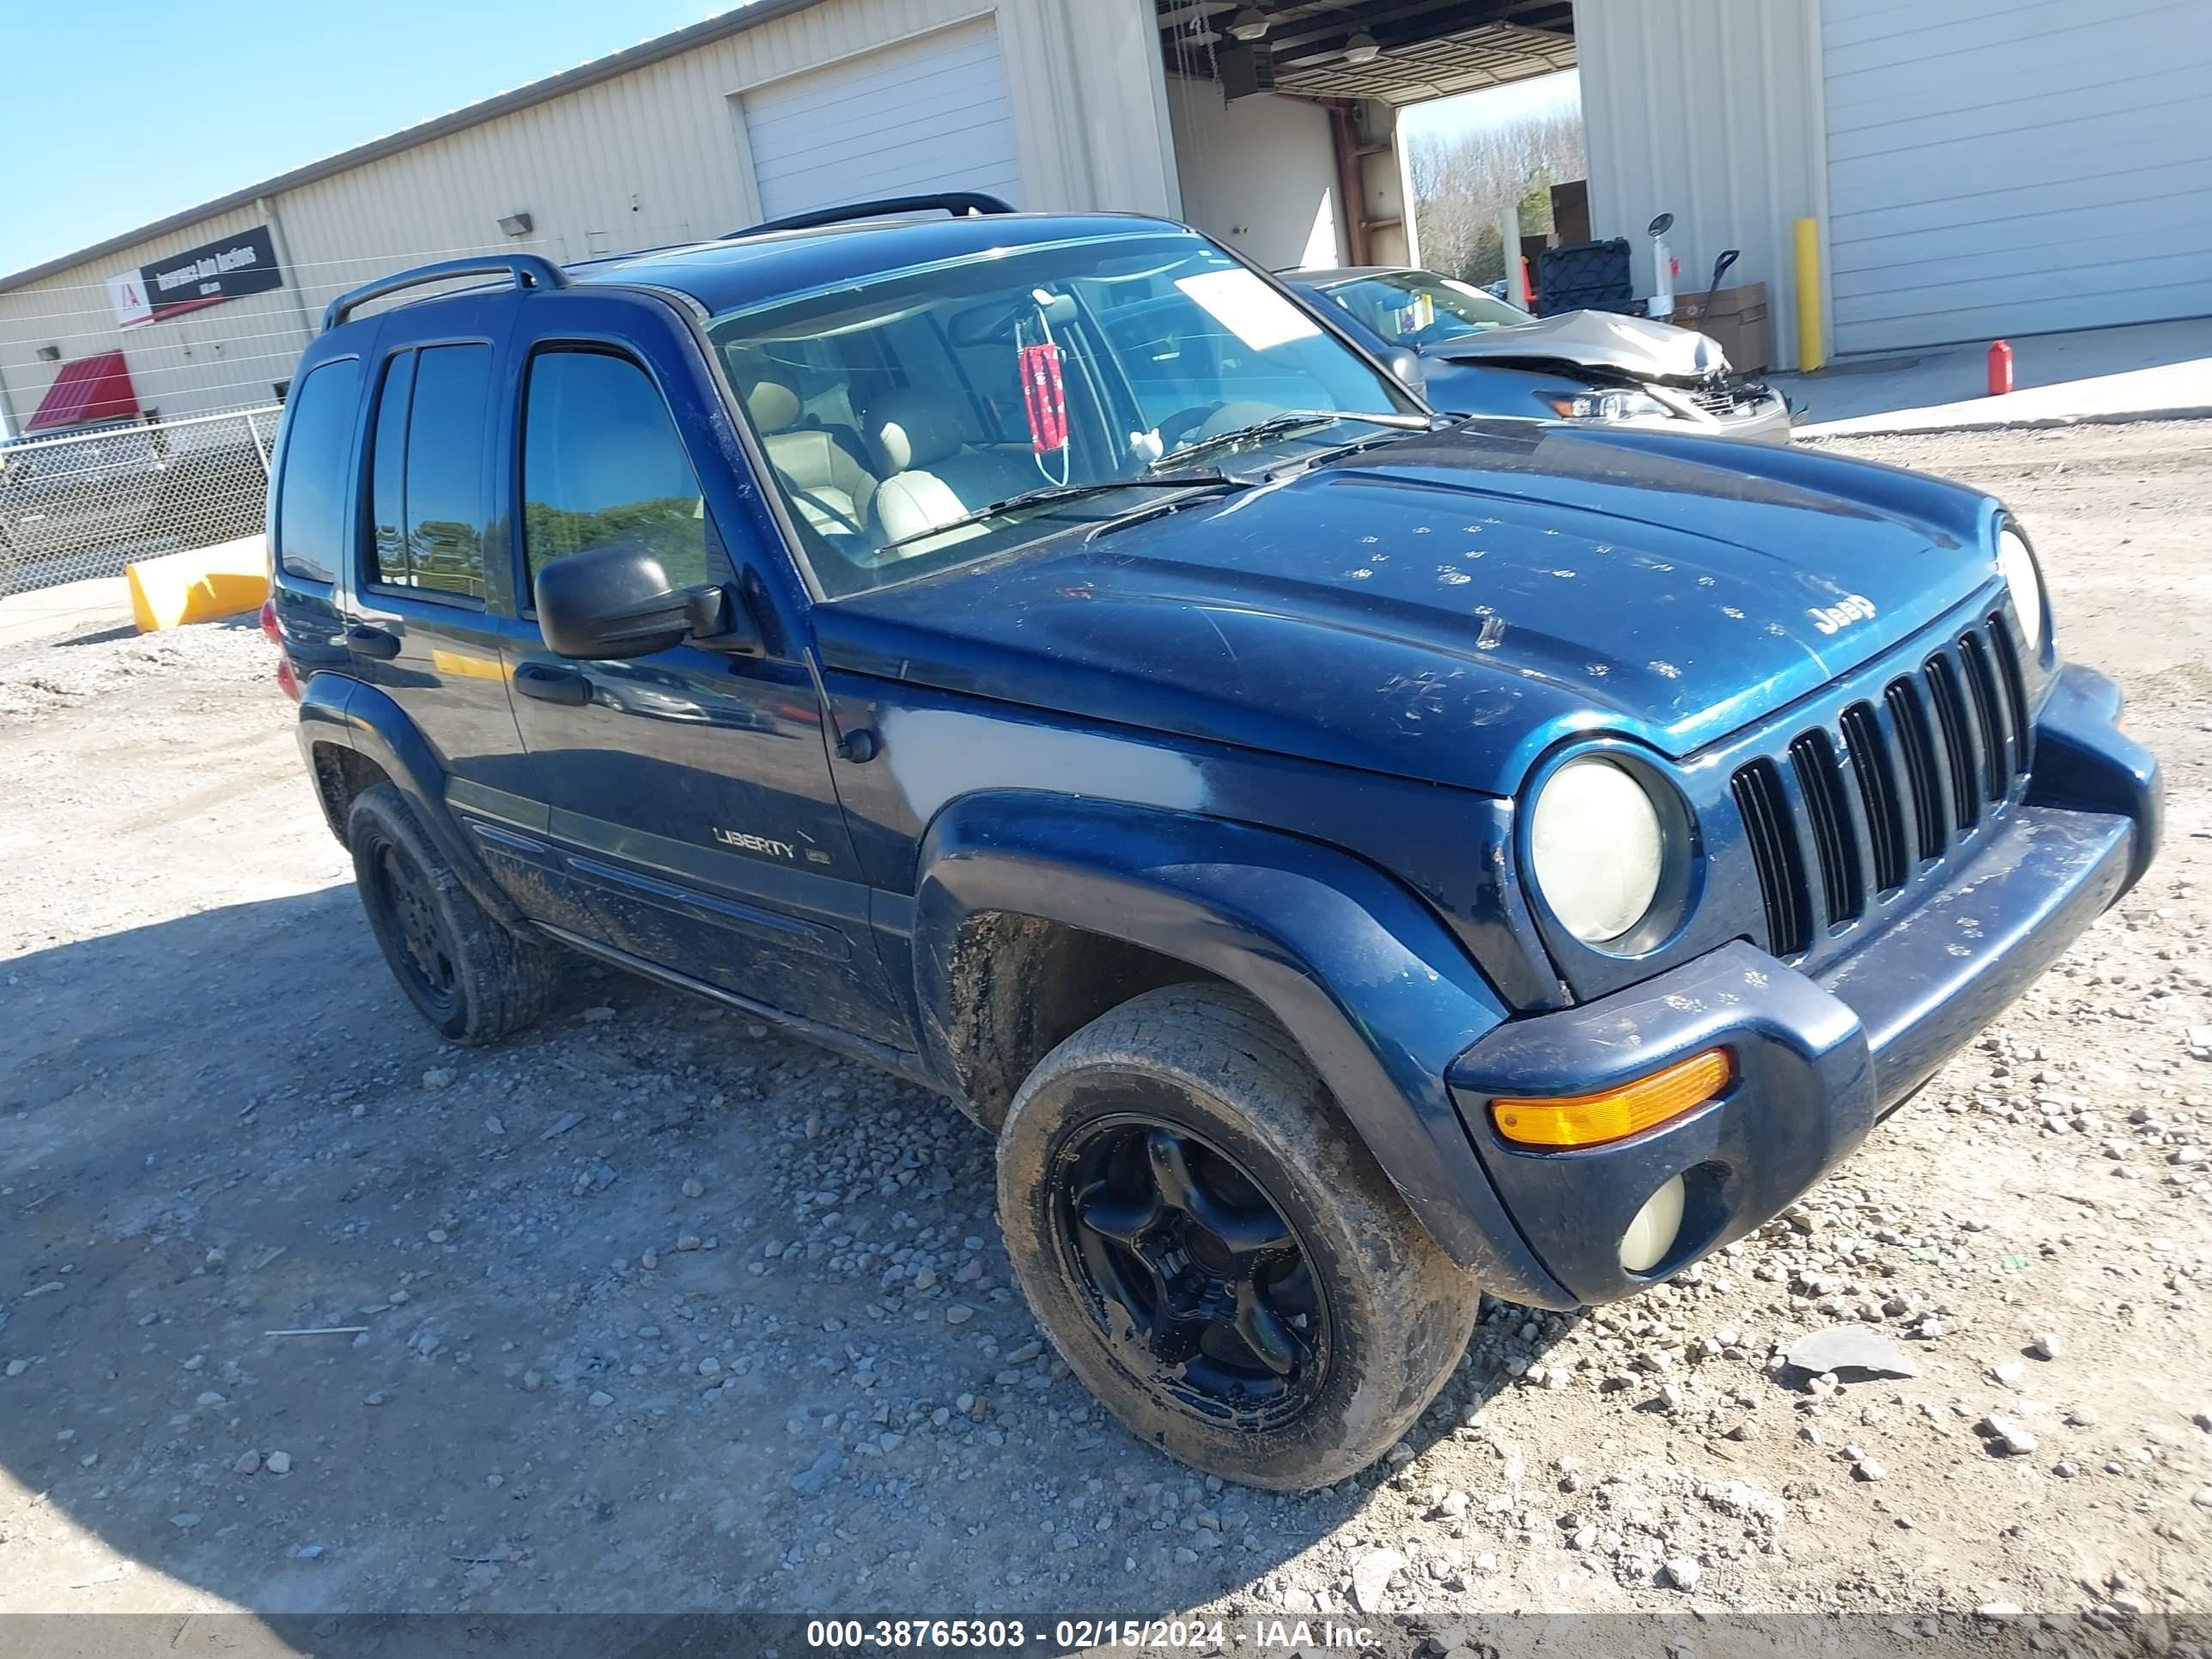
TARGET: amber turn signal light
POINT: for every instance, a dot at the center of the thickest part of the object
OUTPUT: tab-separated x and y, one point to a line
1616	1114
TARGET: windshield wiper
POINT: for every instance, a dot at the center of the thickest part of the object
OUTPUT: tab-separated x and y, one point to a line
1289	420
1046	495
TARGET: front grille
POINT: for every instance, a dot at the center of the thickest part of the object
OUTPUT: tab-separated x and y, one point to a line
1864	807
1766	820
1958	752
1721	397
1875	767
1820	785
1916	741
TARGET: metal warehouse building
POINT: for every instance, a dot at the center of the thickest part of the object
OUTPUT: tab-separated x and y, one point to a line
1976	167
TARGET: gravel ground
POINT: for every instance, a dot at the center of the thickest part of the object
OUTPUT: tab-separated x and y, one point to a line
659	1310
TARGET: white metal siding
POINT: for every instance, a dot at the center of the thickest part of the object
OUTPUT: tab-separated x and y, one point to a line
1259	174
1709	110
226	356
658	153
2015	167
931	114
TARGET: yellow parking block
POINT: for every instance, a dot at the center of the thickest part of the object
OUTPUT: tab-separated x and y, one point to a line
466	664
200	585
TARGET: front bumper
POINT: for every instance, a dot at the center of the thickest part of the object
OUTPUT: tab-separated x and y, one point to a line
1820	1058
1766	422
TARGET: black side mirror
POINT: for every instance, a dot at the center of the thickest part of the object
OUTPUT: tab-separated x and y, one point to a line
1405	363
617	601
1660	226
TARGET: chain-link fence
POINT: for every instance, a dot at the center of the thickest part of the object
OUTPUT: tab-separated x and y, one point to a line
88	503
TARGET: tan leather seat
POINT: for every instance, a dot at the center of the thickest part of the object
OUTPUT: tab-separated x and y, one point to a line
929	476
830	489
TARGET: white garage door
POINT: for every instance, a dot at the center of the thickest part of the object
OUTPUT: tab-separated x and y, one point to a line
2015	167
927	114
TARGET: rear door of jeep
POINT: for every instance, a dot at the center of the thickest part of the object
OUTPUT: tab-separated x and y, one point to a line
424	609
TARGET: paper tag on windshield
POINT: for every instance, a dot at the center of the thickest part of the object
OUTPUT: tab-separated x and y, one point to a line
1248	308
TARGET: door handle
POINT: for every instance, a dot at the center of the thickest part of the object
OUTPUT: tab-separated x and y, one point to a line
376	642
549	685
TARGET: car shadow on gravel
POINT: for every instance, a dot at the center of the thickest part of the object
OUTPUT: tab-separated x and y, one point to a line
650	1310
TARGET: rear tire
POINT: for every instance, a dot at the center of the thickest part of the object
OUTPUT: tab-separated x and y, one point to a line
1287	1339
465	973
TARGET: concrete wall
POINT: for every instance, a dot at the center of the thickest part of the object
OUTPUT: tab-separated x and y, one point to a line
655	155
1258	174
1709	109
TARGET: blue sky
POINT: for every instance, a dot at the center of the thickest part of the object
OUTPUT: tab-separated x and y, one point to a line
123	112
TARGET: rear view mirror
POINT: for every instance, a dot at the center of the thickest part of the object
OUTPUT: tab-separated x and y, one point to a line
617	601
1662	225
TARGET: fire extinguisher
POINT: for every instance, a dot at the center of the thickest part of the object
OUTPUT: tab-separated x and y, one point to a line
1665	268
2000	368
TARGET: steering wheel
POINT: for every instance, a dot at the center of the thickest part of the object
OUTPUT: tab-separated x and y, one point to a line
1229	418
1179	426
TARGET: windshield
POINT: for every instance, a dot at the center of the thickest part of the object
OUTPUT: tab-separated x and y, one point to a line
893	411
1419	308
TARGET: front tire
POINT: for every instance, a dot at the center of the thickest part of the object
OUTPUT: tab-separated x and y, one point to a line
1215	1253
474	981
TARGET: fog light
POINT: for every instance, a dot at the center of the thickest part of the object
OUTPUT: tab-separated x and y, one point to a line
1652	1234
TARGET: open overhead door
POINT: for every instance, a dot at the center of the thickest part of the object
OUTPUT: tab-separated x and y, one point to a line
2015	167
927	114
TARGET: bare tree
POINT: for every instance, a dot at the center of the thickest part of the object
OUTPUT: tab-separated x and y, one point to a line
1463	182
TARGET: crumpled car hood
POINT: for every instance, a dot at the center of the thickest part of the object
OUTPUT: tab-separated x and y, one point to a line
1448	606
1632	345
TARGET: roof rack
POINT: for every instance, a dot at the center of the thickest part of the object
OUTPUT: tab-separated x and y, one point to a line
528	269
957	203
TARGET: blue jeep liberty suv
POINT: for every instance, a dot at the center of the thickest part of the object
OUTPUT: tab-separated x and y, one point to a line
1350	859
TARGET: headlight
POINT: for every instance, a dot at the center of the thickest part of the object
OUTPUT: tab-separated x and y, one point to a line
2017	566
1606	406
1595	848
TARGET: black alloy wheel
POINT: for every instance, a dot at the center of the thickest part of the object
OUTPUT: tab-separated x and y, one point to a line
468	975
1192	1272
1214	1251
404	888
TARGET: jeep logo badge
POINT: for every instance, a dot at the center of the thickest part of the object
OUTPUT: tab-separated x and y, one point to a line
1834	618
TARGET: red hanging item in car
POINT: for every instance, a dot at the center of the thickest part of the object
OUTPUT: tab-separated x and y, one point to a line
1044	396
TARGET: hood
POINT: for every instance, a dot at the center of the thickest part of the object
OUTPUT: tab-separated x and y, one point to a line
1447	606
1642	349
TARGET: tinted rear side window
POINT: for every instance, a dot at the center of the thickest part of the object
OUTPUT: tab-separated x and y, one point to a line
313	493
388	474
430	508
602	463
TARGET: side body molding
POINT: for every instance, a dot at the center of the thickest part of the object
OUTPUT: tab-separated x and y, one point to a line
336	708
1373	988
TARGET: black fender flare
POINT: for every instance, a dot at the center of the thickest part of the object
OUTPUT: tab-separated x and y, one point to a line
1367	980
2082	759
337	708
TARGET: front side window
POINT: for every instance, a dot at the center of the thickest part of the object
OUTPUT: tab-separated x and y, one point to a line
313	488
896	412
602	464
1419	308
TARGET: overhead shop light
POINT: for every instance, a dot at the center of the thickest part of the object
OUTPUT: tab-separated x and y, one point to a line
1361	48
1249	24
